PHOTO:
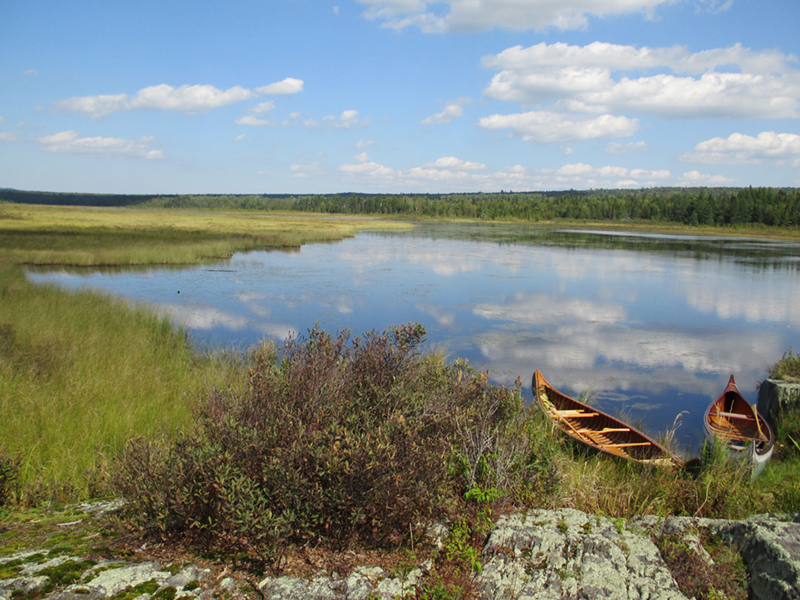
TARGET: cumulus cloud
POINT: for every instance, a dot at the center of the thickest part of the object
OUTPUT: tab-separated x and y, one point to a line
369	169
733	82
349	119
254	121
302	171
693	178
516	15
287	87
451	111
189	99
741	148
544	127
69	142
186	98
365	143
449	169
451	162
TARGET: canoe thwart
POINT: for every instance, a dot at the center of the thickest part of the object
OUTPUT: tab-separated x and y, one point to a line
574	413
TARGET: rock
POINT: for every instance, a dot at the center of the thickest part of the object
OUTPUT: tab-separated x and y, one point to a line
776	396
569	554
532	554
769	547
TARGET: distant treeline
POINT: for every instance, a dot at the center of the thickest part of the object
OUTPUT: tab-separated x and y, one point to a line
689	206
66	199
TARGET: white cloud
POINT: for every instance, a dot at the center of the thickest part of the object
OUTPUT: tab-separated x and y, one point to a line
452	173
362	158
68	142
713	6
630	147
733	82
365	143
369	169
302	171
254	121
240	137
516	15
544	127
692	178
348	119
2	120
451	162
31	72
259	109
263	108
186	98
451	111
287	87
741	148
614	57
8	136
645	174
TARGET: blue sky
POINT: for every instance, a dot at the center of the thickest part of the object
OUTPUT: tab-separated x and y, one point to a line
318	96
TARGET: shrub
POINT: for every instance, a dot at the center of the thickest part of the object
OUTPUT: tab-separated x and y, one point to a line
339	441
788	367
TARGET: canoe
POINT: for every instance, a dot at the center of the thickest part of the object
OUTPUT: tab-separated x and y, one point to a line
745	432
597	429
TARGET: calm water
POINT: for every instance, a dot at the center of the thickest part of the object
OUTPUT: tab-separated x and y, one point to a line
652	325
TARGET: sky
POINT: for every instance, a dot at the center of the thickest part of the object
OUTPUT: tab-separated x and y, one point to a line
397	96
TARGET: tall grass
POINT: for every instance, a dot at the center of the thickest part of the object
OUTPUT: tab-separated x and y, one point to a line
82	373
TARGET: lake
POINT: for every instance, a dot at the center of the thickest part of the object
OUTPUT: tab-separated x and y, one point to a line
650	325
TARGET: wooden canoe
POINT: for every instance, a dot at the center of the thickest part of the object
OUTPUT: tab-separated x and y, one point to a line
745	432
597	429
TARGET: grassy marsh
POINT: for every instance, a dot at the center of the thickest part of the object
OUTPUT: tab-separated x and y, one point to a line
77	236
81	372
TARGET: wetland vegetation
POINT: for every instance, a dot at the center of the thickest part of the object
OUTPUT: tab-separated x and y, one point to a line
269	449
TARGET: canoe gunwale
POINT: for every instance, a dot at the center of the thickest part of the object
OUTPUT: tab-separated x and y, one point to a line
592	431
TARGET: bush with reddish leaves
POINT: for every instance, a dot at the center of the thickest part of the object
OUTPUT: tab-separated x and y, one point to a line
338	441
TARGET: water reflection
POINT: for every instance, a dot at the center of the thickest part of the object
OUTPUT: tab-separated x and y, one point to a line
651	324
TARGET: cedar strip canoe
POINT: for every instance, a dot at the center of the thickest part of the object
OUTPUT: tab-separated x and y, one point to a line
597	429
733	420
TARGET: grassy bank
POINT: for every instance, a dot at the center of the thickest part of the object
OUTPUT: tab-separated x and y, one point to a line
81	373
49	235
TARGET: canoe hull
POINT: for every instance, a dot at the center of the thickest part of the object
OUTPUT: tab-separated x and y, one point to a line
597	429
744	431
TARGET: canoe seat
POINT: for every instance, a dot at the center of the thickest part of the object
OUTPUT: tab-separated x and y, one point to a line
574	413
628	444
734	416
